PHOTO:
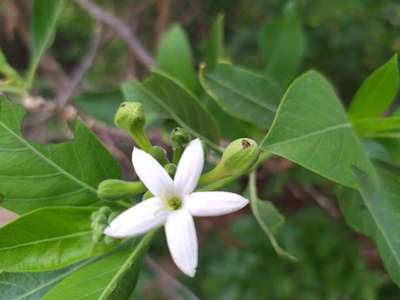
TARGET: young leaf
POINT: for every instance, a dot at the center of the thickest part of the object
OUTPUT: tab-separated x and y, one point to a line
168	97
377	92
377	213
45	15
242	94
267	216
174	57
214	48
378	127
48	239
115	276
32	286
34	175
311	129
283	45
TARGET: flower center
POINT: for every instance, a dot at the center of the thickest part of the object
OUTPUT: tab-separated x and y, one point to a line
174	203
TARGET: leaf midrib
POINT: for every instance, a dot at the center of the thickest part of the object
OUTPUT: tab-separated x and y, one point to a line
48	161
46	240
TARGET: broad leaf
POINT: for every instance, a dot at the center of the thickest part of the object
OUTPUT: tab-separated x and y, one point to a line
49	239
100	105
377	92
168	97
267	216
311	129
174	57
242	93
34	175
283	45
214	48
32	286
376	213
44	20
115	277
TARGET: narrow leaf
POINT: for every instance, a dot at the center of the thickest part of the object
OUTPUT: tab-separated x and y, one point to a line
168	97
242	93
44	20
377	92
48	239
268	217
378	127
174	57
214	48
34	175
311	129
115	277
283	45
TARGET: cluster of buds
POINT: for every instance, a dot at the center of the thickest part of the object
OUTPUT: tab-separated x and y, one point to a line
101	218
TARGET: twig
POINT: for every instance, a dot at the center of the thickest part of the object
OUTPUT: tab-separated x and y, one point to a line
174	288
323	202
163	16
120	28
80	71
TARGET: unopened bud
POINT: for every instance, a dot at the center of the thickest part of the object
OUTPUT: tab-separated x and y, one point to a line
179	137
159	154
171	169
113	189
130	117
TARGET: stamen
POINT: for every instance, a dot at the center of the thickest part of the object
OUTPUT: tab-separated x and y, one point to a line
174	203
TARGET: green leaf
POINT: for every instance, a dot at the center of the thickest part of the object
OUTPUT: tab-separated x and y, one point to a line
242	93
32	286
174	57
311	129
169	98
12	81
377	92
48	239
44	20
100	105
214	48
34	175
378	127
377	213
112	277
268	217
283	45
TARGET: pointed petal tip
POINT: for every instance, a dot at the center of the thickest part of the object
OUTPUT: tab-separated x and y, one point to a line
191	273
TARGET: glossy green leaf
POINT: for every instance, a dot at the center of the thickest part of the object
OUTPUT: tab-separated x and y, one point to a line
376	213
112	277
48	239
214	48
268	217
100	105
44	20
32	286
377	92
169	98
174	57
33	175
378	127
311	129
243	94
283	45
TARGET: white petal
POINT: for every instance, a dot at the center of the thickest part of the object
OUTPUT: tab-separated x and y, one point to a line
182	240
138	219
203	204
152	174
190	167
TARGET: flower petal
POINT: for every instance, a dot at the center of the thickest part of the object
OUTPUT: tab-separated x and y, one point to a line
203	204
152	174
138	219
190	167
182	240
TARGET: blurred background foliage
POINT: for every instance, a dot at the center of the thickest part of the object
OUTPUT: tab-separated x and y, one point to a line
345	40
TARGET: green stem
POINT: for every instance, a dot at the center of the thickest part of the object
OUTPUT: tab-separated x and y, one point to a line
142	140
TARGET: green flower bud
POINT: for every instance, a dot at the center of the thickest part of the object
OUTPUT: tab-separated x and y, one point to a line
130	117
159	154
171	169
238	157
112	189
179	137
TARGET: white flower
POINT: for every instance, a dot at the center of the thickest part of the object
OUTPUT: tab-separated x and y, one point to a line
173	205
